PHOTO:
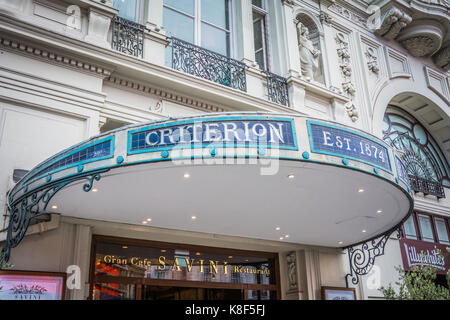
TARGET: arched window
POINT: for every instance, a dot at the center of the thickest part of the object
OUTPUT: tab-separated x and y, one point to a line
425	164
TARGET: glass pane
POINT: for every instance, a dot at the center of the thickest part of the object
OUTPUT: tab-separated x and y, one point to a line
120	260
178	25
260	60
426	228
127	8
258	3
114	291
261	295
258	33
186	6
441	229
214	39
215	12
410	228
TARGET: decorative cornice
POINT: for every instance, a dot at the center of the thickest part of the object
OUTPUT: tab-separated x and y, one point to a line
165	95
55	57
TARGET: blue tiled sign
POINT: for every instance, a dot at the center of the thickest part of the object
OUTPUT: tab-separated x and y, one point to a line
224	132
338	141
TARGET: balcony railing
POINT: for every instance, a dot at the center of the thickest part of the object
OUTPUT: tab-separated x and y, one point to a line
208	65
128	37
277	90
426	186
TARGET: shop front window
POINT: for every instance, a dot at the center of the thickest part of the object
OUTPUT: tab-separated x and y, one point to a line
155	267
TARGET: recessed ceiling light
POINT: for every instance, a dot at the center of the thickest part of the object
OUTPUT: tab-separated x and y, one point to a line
197	253
194	217
163	250
186	175
281	238
379	211
230	257
364	231
145	222
94	190
340	242
125	247
277	228
54	206
291	176
286	236
360	190
149	219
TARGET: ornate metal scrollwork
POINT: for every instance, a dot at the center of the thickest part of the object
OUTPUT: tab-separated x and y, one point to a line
277	90
128	37
362	258
208	65
33	203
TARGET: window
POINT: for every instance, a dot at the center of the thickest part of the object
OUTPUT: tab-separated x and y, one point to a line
441	230
202	22
129	9
410	228
260	34
426	228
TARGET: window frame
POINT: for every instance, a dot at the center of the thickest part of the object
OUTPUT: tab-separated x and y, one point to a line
265	37
432	217
447	229
418	235
197	17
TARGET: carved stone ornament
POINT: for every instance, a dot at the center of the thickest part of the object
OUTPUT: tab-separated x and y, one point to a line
392	22
372	60
442	58
343	52
288	2
309	55
422	39
325	18
158	107
351	111
292	271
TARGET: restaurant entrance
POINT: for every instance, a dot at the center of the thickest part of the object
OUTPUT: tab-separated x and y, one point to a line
129	269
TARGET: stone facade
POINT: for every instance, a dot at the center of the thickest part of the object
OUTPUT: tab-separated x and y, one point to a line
58	71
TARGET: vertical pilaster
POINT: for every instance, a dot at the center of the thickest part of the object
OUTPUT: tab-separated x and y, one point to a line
154	14
81	258
244	22
290	30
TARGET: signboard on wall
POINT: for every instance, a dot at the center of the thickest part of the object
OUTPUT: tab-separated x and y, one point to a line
421	253
338	141
30	285
228	132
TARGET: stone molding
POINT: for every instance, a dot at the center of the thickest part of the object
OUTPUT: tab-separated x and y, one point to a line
165	95
55	57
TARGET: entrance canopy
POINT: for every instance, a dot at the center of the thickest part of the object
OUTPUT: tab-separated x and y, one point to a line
266	176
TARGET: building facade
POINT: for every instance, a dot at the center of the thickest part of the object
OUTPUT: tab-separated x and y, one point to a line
111	75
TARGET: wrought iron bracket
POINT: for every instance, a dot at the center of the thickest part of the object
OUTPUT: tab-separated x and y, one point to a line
362	257
33	203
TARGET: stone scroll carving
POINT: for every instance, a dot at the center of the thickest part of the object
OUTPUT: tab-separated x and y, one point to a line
345	64
309	55
392	22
